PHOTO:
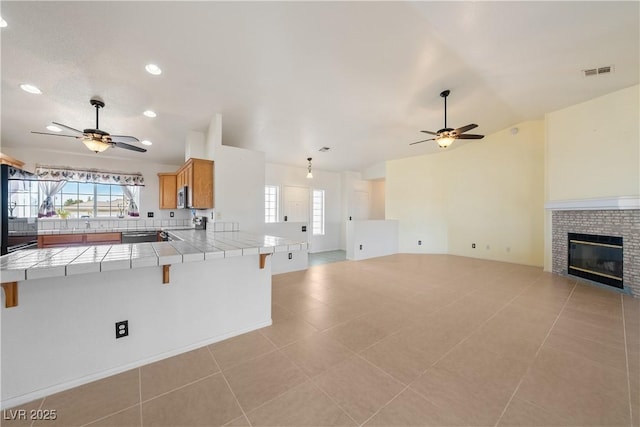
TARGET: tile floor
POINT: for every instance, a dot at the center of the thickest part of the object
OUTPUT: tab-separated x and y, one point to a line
327	257
395	341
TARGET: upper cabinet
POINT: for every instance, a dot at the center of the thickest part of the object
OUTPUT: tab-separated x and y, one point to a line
197	175
168	190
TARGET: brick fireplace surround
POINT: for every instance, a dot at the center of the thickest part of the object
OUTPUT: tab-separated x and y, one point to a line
615	222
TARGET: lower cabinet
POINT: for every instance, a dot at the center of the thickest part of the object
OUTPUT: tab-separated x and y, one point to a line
60	240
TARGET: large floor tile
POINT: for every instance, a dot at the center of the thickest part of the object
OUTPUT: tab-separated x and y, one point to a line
411	409
358	388
131	417
366	330
607	355
521	413
573	387
209	402
260	380
239	349
316	353
92	401
288	331
168	374
305	405
475	404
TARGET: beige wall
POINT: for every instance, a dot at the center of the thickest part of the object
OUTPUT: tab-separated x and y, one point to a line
592	151
593	148
488	192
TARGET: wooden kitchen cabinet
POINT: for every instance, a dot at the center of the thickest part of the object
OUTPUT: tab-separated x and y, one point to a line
197	175
78	239
103	238
168	190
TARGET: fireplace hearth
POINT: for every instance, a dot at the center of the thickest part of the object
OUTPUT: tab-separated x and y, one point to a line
597	258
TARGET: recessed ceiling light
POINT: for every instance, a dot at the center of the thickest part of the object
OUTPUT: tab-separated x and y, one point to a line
54	128
146	142
153	69
3	23
150	113
30	88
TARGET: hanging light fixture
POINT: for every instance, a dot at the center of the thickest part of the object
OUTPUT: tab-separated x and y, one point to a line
444	141
309	174
95	145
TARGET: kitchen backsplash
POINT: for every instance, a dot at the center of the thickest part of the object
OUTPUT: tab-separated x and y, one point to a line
29	224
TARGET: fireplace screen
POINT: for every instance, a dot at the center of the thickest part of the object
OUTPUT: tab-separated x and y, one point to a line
597	258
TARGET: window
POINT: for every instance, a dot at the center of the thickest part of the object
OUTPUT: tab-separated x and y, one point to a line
271	203
23	198
317	212
91	200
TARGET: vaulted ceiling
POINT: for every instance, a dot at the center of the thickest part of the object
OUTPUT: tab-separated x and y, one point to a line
362	78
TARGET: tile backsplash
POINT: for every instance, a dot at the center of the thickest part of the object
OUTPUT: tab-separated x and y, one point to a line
55	224
122	224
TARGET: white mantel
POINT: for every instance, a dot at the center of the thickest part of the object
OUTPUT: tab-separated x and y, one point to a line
601	203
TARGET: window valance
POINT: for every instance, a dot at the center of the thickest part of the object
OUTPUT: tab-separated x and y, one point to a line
54	173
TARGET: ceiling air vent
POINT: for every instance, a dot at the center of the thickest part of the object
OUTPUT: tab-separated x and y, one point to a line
597	71
324	149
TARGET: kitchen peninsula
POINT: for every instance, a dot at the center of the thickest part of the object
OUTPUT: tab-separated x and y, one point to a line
199	288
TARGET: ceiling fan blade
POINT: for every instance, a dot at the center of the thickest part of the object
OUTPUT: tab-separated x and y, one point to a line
425	140
123	138
463	129
55	134
129	147
429	132
469	136
68	127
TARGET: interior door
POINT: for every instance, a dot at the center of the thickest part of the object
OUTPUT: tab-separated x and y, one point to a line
295	203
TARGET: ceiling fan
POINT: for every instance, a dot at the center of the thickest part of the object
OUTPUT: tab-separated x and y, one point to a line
95	139
445	136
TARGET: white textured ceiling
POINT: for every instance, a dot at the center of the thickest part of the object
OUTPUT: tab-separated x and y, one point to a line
291	77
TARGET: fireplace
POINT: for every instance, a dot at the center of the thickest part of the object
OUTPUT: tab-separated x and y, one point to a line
623	224
595	257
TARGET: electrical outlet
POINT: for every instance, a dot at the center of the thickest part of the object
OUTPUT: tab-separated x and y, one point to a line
171	214
473	246
304	228
290	255
122	329
149	214
360	247
419	242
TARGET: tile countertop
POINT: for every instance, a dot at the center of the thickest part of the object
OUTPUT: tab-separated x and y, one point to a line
191	246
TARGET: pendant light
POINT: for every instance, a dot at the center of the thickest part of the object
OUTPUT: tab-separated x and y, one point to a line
309	174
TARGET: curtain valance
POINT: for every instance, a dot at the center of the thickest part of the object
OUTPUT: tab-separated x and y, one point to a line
53	173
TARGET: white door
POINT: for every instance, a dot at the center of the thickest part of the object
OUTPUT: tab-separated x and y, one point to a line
360	205
295	203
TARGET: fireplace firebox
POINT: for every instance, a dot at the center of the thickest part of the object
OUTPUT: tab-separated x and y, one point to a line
597	258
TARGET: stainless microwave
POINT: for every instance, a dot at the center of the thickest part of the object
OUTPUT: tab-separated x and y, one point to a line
183	197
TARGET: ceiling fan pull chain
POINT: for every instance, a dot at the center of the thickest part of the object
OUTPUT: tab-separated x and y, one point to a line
98	108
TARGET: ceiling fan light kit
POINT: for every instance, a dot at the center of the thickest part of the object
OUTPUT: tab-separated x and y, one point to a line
446	136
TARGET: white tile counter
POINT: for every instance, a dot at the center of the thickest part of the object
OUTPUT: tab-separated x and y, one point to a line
190	246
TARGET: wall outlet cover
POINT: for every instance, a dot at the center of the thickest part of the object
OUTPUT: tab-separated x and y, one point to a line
171	214
149	214
122	329
304	228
